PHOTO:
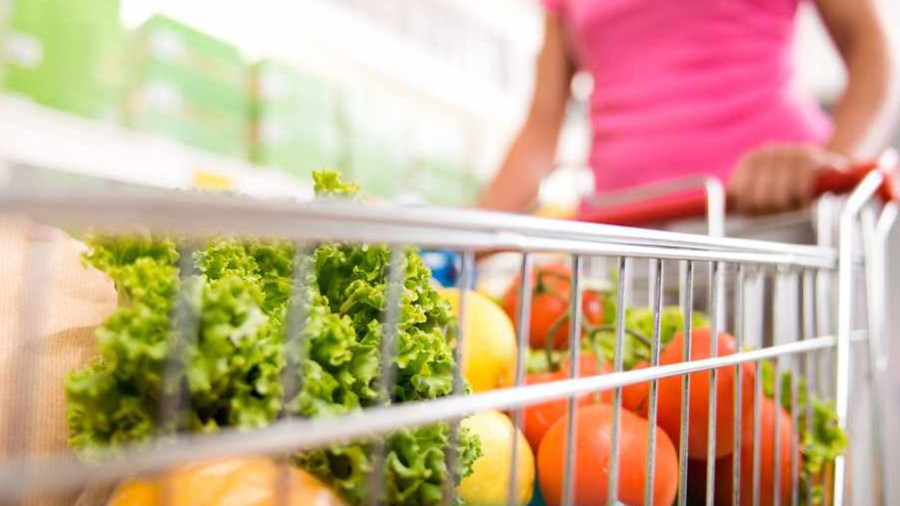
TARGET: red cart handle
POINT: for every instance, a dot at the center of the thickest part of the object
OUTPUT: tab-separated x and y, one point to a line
683	206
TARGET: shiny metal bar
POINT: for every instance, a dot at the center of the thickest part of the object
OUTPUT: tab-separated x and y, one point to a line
184	326
809	360
467	266
394	291
776	447
688	305
294	351
295	320
657	287
568	492
523	326
757	397
864	192
877	244
758	394
714	325
621	302
430	227
795	421
297	434
738	415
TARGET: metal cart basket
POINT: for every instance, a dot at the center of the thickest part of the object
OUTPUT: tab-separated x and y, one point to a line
820	337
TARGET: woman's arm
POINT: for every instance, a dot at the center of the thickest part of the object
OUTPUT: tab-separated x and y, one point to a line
864	113
777	178
532	152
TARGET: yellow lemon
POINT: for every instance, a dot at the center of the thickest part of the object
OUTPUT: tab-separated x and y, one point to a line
488	484
235	482
489	342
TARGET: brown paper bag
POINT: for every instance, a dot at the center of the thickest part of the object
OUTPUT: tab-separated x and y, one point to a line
50	303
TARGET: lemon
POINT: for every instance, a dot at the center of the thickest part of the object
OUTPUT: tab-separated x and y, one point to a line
489	342
488	484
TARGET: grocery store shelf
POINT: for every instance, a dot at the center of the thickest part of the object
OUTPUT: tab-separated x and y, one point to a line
36	136
331	38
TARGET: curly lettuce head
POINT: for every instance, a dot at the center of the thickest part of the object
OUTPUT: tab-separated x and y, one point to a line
229	372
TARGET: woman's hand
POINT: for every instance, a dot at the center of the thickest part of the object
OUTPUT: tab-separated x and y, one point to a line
779	178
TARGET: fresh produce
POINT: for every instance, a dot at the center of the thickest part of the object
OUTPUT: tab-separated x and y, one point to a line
550	307
489	344
818	447
488	484
592	459
771	416
538	418
636	397
636	346
229	372
235	482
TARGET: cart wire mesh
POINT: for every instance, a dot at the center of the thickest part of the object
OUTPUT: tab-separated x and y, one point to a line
810	332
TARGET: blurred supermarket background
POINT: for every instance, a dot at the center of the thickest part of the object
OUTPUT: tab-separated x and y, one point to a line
416	99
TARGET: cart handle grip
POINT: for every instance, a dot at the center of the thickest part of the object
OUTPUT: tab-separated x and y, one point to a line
683	206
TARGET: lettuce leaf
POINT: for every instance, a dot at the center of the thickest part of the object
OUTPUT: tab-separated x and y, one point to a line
229	372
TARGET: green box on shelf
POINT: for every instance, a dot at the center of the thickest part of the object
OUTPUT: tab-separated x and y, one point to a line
67	55
295	119
278	89
188	86
163	39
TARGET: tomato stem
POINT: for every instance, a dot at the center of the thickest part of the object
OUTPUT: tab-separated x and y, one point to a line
550	338
607	327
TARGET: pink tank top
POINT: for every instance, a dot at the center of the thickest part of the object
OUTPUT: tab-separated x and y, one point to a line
686	87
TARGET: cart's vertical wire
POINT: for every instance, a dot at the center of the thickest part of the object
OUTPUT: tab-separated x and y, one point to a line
568	495
184	326
687	298
738	414
715	323
778	332
294	351
621	302
795	395
393	299
656	286
757	395
776	432
809	331
847	267
466	267
295	320
37	274
523	320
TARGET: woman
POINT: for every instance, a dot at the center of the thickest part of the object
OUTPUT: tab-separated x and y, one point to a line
699	87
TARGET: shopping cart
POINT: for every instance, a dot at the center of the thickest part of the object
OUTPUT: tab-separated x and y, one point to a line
808	273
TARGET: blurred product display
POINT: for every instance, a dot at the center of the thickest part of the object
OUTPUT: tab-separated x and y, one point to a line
67	55
170	78
295	122
188	86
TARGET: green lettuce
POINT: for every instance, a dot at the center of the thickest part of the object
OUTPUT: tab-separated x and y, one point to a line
229	373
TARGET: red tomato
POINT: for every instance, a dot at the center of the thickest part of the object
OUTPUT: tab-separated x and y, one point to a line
538	418
592	439
588	365
636	397
768	412
549	303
